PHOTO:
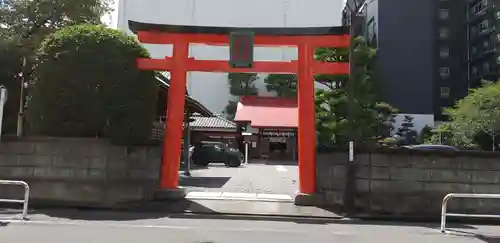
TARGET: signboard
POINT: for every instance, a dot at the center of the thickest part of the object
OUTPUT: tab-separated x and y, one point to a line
241	49
278	134
277	140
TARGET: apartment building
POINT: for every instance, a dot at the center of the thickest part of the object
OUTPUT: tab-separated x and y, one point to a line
422	53
483	39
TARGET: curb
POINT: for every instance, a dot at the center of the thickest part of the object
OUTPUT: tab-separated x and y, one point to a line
249	216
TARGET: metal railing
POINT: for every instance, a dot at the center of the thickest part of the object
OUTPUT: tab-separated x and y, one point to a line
23	201
464	195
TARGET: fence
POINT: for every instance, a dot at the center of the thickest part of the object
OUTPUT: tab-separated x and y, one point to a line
24	201
464	195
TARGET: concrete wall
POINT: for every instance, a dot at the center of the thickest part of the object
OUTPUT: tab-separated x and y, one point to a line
79	172
399	182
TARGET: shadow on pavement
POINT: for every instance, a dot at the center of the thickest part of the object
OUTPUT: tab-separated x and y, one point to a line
273	162
323	221
489	239
207	182
482	237
310	220
2	224
151	210
253	218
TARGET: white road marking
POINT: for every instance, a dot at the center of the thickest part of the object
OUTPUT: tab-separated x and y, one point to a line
281	168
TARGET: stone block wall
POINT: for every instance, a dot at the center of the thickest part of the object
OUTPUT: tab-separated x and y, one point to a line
412	182
79	172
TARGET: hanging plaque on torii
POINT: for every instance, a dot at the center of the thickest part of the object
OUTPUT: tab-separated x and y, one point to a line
242	42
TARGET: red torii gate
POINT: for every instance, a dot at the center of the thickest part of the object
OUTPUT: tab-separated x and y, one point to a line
306	39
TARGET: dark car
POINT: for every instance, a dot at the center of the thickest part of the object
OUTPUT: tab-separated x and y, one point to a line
207	152
429	147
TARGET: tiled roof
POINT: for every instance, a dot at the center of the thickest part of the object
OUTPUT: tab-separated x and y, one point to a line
268	111
164	80
211	122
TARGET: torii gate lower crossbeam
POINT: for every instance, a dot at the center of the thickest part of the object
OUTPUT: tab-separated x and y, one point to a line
306	39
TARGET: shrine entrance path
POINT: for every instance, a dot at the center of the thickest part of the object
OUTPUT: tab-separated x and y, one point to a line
258	177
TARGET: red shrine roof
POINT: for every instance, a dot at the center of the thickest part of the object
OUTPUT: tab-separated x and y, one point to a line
268	112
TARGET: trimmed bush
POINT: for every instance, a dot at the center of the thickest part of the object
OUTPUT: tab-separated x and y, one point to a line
86	84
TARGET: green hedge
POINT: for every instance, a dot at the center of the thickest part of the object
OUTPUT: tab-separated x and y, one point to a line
86	84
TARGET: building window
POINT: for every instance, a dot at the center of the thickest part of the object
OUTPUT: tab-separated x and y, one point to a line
473	50
483	25
444	33
486	67
486	44
445	92
473	31
444	72
444	14
444	52
474	70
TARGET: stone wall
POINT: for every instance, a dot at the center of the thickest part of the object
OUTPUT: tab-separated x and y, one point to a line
79	172
412	182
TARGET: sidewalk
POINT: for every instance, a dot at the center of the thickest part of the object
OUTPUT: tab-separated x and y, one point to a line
211	207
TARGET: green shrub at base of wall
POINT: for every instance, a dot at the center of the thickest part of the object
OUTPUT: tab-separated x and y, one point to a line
86	84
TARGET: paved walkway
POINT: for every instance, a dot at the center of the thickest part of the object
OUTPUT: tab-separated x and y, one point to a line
258	177
239	196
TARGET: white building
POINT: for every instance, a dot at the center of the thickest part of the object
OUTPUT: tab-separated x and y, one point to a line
212	89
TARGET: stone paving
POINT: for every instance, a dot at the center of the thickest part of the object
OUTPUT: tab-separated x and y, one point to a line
263	177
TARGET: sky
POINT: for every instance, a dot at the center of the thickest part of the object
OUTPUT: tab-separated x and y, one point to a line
110	19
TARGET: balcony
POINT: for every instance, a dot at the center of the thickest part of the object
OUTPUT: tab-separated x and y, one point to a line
483	54
487	30
473	17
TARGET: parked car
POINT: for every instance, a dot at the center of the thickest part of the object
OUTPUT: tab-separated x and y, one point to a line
437	147
207	152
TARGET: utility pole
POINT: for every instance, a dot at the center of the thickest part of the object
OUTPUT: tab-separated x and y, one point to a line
20	114
353	7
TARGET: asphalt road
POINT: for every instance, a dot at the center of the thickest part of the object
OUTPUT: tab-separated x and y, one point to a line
144	228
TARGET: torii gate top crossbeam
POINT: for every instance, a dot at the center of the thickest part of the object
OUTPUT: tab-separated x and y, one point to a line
270	31
314	36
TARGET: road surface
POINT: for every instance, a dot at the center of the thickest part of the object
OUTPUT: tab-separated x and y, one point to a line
151	228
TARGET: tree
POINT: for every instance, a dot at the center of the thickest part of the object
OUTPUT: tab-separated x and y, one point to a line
35	19
240	84
285	85
28	21
425	134
406	130
23	25
373	117
476	117
86	84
